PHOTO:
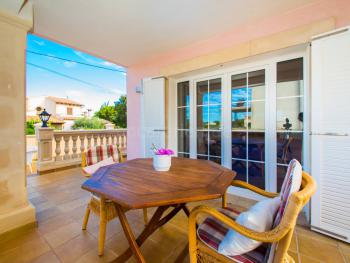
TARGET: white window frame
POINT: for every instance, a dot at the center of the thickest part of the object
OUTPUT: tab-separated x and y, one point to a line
269	63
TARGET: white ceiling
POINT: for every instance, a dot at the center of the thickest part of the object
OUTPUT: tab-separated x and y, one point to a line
130	31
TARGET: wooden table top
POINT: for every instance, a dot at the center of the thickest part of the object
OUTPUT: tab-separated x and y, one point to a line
135	184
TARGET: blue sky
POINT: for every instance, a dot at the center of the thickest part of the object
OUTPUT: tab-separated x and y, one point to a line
91	86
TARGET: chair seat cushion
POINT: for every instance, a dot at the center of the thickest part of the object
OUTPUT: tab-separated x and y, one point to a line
91	169
212	232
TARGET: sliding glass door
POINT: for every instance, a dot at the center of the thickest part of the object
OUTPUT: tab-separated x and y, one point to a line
289	114
248	126
208	111
251	121
183	119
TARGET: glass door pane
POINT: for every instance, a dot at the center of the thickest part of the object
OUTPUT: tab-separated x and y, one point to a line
290	109
248	126
209	119
183	119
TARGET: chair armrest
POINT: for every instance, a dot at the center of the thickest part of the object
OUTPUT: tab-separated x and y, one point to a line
271	236
242	184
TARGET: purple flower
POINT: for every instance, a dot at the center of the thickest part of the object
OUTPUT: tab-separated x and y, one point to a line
163	151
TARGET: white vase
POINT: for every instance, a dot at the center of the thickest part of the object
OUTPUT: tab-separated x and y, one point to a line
162	163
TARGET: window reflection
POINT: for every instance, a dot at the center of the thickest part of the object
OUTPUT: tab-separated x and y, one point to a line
289	146
183	94
202	142
256	115
290	111
248	126
215	91
202	93
215	117
239	145
183	141
215	143
256	146
183	118
202	117
256	174
209	119
240	168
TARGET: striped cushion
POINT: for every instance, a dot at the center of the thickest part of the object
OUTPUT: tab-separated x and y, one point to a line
291	184
212	232
99	153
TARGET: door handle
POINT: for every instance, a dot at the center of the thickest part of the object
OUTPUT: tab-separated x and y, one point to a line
329	134
159	130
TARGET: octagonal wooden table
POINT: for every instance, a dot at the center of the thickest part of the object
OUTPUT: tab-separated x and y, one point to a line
135	184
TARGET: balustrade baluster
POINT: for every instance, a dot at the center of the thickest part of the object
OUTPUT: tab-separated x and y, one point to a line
113	139
66	147
58	156
82	143
95	139
123	140
101	139
74	148
109	139
118	140
89	136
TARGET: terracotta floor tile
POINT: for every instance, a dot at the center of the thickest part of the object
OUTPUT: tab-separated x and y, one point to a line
53	224
319	250
117	243
113	227
26	252
306	259
63	234
72	205
75	248
18	240
47	213
303	231
48	257
37	200
345	250
92	256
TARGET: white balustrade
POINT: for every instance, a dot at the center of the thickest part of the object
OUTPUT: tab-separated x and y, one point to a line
74	143
58	156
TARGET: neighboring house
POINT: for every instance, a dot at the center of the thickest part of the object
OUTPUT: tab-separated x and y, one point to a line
62	109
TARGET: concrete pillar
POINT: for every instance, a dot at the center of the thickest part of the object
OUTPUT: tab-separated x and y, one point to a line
15	209
44	137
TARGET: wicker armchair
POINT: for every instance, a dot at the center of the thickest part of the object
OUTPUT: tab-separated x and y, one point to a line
102	207
281	235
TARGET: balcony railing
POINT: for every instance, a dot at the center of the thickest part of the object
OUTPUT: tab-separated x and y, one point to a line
58	149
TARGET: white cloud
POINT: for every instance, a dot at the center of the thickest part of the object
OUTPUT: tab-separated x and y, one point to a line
69	64
40	43
108	64
83	56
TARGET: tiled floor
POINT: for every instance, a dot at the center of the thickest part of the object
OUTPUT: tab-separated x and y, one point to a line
60	204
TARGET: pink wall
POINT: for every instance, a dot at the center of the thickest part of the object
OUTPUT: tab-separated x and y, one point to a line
339	9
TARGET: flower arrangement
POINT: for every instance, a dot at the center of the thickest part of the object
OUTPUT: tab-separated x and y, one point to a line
161	151
161	158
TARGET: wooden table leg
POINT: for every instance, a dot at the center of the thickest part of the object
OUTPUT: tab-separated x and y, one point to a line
155	222
129	235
